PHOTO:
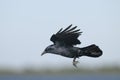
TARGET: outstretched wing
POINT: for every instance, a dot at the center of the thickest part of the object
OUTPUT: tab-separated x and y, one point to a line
67	36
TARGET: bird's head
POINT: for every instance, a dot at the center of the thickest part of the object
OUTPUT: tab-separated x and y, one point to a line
49	49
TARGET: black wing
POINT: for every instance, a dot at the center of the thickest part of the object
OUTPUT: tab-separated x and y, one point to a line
67	36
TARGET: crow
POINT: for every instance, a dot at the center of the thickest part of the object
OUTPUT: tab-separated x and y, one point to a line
64	42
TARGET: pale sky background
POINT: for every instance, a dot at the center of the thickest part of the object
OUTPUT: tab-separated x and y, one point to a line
27	25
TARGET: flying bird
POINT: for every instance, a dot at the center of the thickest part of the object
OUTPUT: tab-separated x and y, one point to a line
64	44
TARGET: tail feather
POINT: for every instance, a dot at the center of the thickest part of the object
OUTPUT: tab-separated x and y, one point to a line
92	51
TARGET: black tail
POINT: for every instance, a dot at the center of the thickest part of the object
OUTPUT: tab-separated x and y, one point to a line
92	51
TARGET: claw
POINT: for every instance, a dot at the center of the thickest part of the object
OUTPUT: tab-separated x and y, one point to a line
75	62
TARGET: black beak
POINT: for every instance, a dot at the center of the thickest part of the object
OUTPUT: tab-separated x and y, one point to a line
43	53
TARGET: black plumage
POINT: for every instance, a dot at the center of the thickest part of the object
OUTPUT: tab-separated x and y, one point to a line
67	36
64	45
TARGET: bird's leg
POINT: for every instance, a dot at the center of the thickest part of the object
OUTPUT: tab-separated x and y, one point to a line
75	62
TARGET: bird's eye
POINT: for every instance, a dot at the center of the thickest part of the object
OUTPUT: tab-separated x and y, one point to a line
48	49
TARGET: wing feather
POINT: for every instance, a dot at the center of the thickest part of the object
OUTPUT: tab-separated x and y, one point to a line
67	37
72	29
67	28
59	31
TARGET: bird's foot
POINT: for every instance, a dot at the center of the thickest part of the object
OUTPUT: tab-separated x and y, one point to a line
75	63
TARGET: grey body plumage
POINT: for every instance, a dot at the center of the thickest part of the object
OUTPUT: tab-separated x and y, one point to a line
64	45
65	51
